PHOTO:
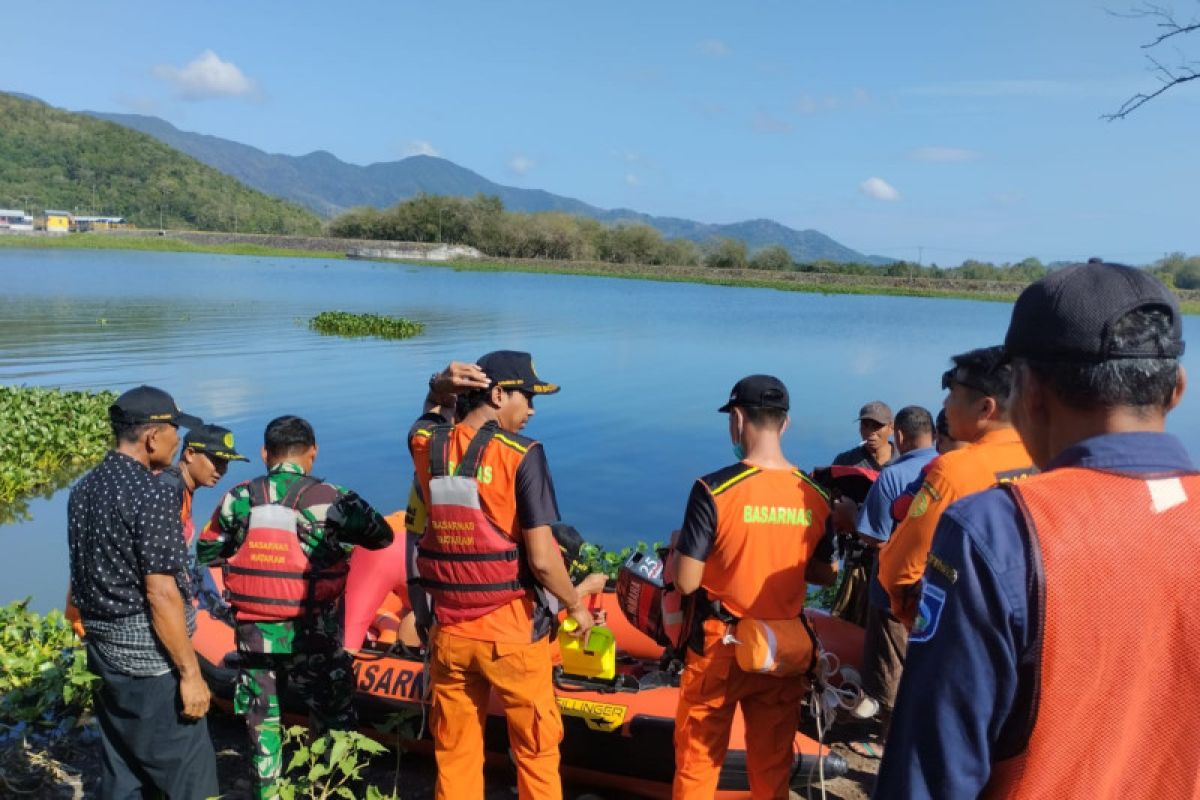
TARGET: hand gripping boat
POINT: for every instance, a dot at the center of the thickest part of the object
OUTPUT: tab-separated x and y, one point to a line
617	734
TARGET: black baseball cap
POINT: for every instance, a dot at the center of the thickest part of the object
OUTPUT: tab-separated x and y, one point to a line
512	369
145	404
758	391
1069	315
213	440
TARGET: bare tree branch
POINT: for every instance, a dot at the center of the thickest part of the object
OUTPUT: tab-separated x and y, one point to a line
1170	77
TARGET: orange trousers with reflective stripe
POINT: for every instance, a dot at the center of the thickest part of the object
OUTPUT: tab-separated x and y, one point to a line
463	672
711	689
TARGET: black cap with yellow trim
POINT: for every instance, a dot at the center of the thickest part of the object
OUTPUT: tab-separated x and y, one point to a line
213	440
145	404
512	369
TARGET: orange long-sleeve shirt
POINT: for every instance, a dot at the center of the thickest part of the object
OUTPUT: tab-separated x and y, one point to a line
997	457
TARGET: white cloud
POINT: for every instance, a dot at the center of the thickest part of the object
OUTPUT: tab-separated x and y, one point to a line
879	189
814	104
207	76
766	123
418	147
631	179
521	164
714	48
943	154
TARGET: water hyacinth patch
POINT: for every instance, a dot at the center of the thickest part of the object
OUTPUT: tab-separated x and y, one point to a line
44	681
50	435
344	323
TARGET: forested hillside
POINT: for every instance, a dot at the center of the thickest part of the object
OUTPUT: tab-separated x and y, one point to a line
56	159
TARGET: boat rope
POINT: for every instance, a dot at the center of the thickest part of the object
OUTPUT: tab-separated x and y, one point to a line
824	701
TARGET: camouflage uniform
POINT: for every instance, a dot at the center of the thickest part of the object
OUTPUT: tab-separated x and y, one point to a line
304	655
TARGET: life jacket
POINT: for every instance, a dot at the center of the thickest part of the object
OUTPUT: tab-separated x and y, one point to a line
846	481
466	565
1112	676
270	577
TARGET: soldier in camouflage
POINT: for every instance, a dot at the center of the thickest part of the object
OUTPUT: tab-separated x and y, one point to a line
303	653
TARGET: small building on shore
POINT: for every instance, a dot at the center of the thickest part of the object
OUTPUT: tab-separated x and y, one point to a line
99	223
58	221
14	219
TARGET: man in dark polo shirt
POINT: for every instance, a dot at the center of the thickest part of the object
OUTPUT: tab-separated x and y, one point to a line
875	426
129	580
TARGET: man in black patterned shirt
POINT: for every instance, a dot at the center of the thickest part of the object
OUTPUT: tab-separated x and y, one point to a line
129	580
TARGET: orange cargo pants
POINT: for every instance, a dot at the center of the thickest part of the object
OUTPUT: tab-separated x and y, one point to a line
711	689
463	672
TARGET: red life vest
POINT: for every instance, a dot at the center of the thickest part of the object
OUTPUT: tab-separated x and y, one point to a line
1114	675
464	562
270	577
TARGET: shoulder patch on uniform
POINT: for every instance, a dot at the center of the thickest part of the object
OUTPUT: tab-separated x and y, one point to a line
723	479
802	475
932	490
1013	475
929	613
919	504
424	433
942	568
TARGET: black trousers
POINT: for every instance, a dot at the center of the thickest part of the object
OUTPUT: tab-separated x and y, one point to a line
148	751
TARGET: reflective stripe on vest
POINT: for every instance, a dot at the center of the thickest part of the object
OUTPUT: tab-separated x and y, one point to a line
466	565
270	577
1105	702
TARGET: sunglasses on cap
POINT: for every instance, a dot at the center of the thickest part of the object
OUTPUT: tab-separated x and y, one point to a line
956	375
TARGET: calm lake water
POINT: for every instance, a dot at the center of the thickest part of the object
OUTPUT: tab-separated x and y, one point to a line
643	366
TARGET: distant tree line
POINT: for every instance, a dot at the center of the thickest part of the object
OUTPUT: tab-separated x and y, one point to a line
1178	270
483	223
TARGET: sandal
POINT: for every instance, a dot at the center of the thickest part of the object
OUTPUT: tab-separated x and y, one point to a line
866	749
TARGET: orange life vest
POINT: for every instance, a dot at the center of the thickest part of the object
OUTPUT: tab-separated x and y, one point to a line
1115	677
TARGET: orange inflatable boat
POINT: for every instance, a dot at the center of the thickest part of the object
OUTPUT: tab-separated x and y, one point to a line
618	735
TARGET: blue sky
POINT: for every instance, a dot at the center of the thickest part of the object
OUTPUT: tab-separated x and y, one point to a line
942	129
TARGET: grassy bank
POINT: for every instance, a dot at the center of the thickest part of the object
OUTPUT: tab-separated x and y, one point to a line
809	282
157	244
51	436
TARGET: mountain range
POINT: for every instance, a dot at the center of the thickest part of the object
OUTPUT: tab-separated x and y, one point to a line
322	182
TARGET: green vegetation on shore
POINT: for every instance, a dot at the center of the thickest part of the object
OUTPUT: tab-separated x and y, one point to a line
343	323
838	279
54	159
159	244
44	682
50	436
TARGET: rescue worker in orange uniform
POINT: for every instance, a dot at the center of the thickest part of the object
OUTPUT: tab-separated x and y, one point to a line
753	535
492	635
977	412
1061	658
